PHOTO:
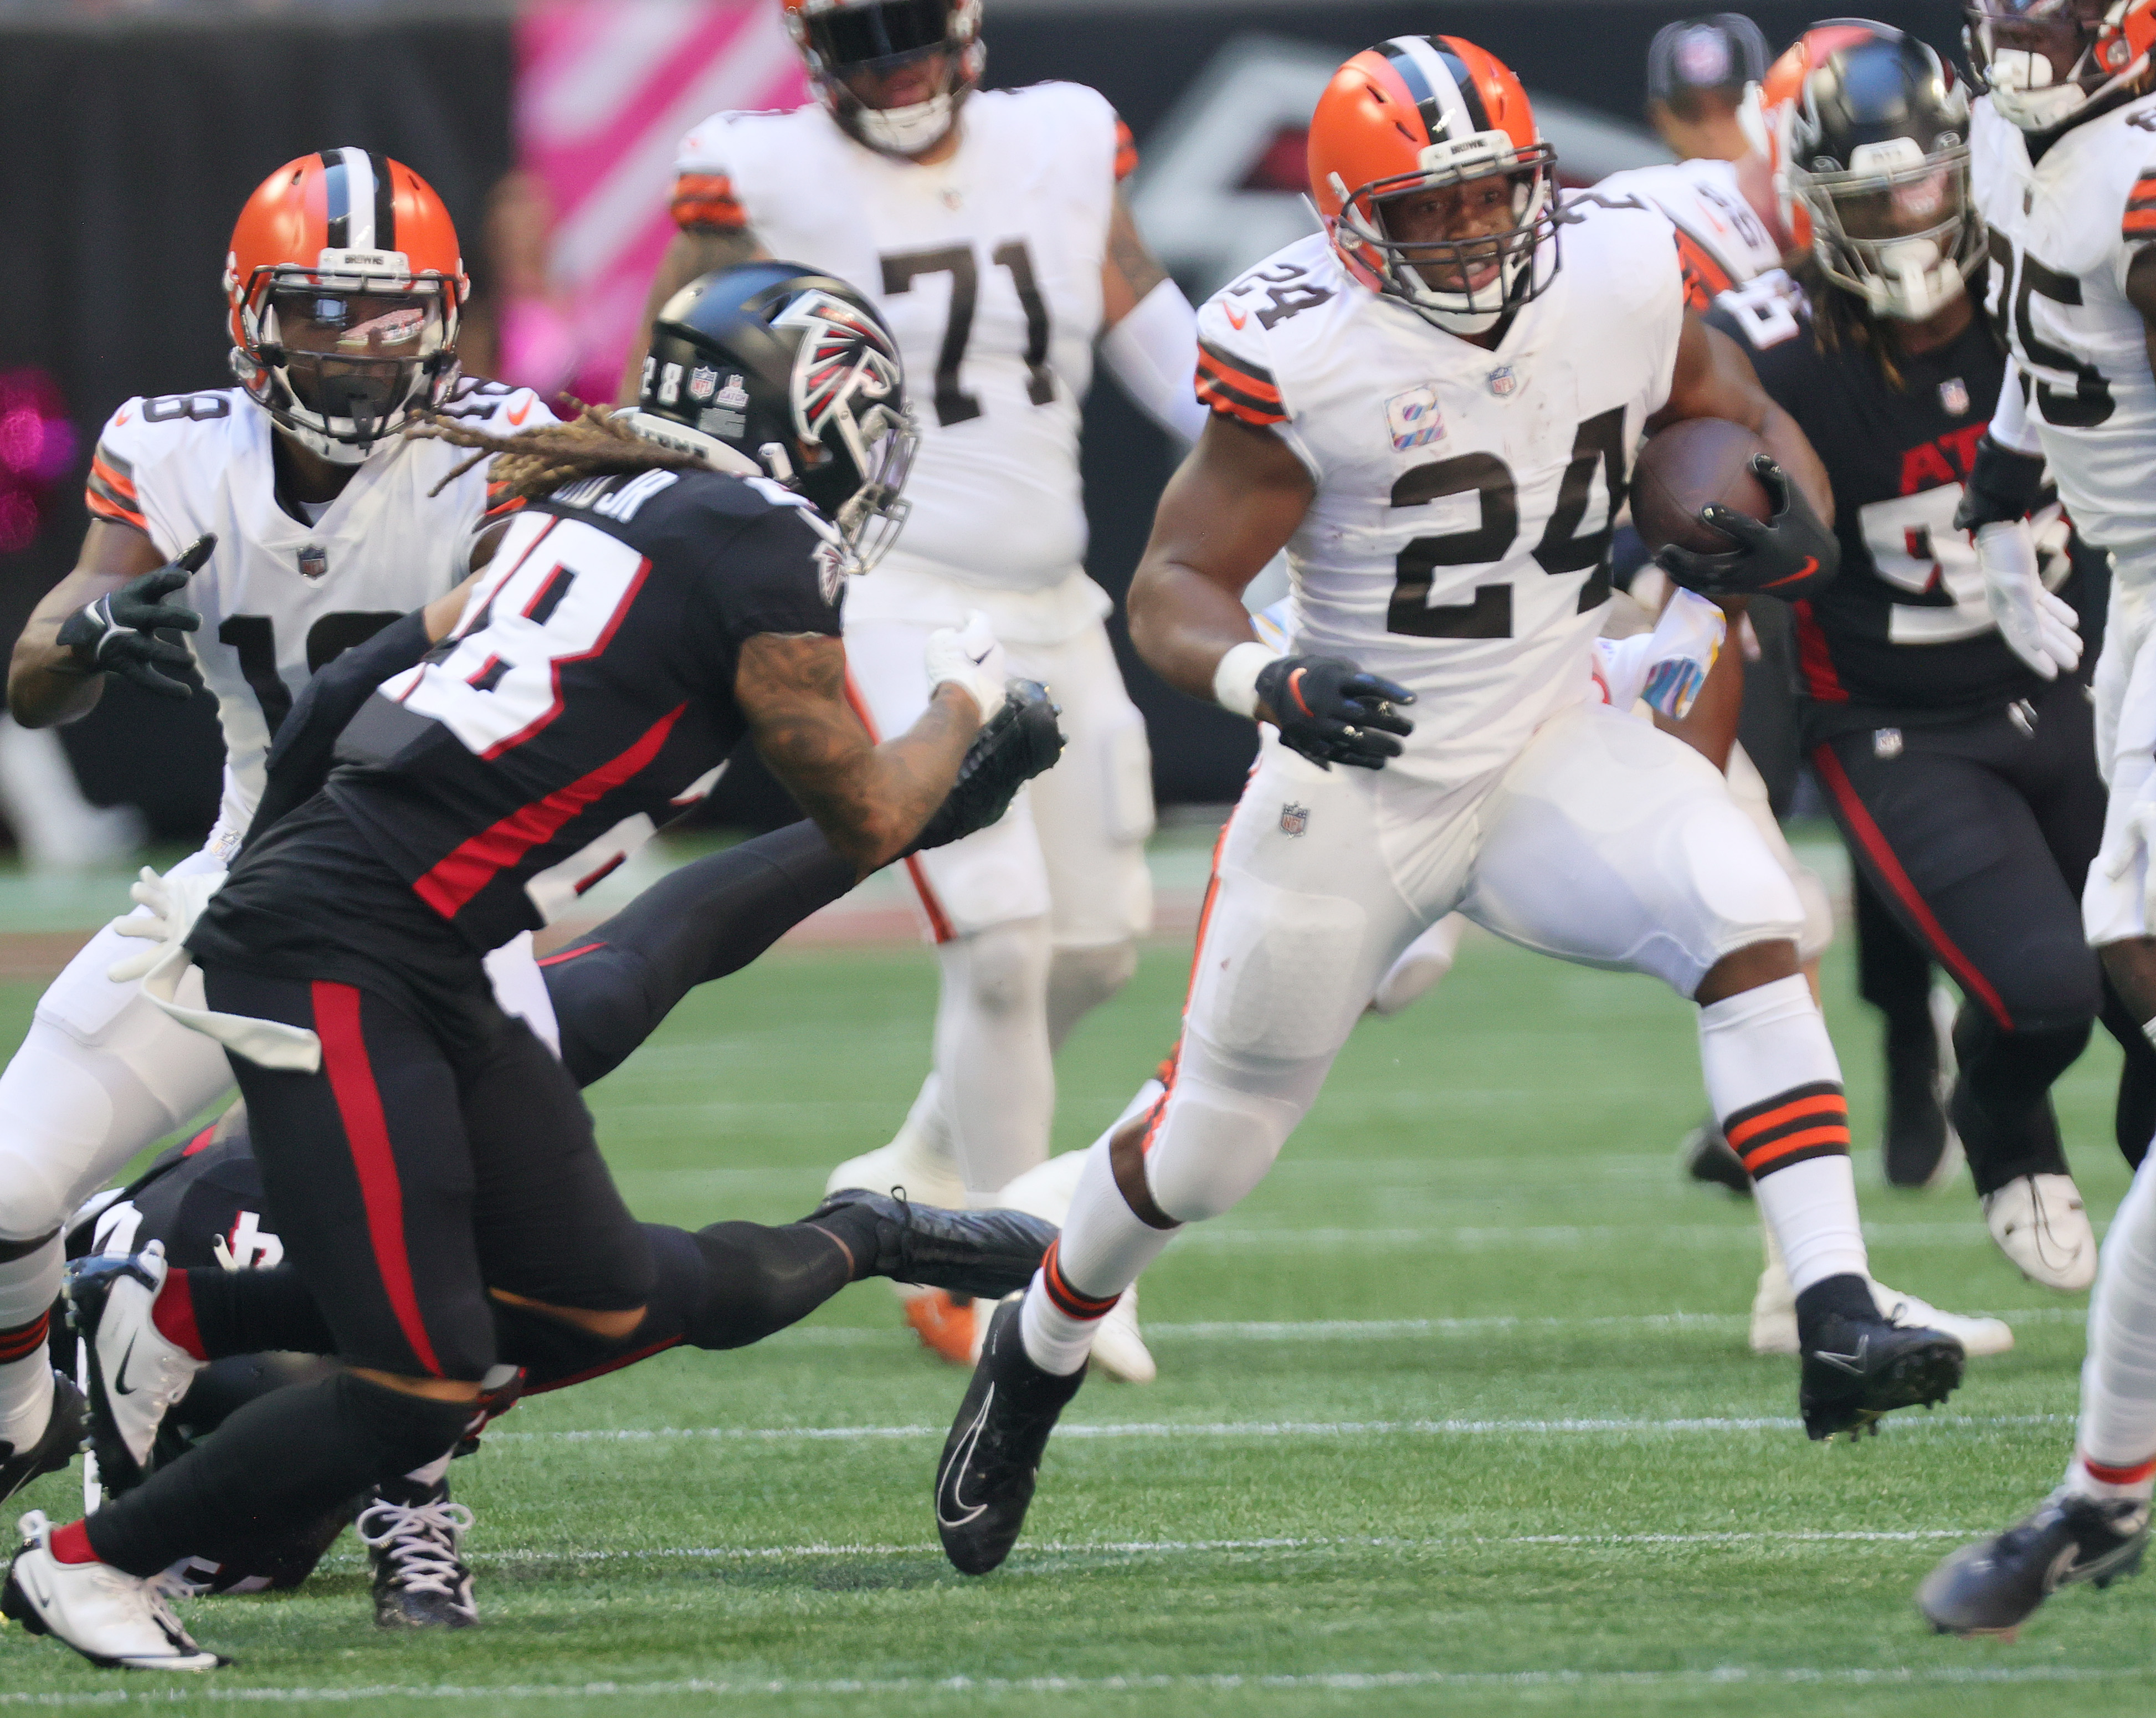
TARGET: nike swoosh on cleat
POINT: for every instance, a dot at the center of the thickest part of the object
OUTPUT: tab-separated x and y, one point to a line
960	1460
1852	1363
120	1379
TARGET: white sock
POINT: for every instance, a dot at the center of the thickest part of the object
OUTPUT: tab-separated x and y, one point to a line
1103	1248
997	1079
1772	1078
2116	1445
28	1287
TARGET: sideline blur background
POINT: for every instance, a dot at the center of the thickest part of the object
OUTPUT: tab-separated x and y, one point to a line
131	130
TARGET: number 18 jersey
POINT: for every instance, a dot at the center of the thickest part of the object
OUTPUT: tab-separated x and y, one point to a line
2064	230
1465	497
281	594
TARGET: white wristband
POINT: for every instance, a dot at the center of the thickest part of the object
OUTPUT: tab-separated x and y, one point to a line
1236	680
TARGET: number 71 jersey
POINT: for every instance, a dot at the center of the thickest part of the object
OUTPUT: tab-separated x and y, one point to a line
1465	498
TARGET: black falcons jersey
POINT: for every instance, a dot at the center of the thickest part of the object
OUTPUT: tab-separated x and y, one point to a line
1906	625
198	1198
585	697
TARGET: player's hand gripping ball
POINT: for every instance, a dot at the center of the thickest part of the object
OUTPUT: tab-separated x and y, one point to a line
1723	517
1022	740
1332	713
119	632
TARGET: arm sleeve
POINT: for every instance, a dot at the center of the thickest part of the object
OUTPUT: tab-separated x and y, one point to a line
1152	352
703	185
300	760
112	492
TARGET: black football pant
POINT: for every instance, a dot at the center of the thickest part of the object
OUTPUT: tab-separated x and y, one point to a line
1977	836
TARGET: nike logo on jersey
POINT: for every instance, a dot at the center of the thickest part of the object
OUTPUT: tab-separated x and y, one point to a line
517	417
122	416
1238	317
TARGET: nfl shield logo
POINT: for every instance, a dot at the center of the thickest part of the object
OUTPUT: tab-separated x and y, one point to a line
703	384
314	561
1505	382
1294	819
1953	395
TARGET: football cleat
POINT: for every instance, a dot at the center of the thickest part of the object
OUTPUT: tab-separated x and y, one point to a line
990	1253
2040	1223
1992	1586
949	1325
135	1374
112	1619
55	1447
1857	1369
1979	1337
1118	1349
414	1538
1704	1156
1774	1312
992	1458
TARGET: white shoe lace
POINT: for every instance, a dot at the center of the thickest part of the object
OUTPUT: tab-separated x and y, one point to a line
158	1593
420	1542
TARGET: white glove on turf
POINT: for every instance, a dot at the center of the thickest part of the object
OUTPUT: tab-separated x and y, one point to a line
175	902
969	657
2041	628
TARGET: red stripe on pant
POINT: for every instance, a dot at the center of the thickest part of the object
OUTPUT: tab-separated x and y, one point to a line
359	1107
1873	840
939	921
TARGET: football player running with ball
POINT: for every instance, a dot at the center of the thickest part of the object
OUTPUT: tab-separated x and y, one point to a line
988	229
2063	159
1437	422
273	525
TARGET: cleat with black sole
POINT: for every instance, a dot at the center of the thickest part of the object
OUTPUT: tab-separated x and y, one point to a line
991	1459
1991	1587
414	1538
57	1446
1856	1369
985	1253
1705	1156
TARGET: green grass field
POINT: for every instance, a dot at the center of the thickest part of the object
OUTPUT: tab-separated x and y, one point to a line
1455	1414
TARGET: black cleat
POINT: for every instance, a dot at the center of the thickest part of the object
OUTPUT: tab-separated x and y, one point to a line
1705	1156
56	1446
988	1253
1857	1368
992	1458
1992	1586
414	1538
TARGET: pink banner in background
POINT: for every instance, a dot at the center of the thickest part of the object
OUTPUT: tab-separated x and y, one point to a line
606	89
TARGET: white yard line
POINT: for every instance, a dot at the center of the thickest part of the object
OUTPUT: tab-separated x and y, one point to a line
1337	1681
1250	1429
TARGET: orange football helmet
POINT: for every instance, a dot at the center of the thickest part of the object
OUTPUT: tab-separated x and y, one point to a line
1423	113
344	282
839	39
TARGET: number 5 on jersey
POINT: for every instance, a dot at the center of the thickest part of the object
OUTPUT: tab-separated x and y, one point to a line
556	592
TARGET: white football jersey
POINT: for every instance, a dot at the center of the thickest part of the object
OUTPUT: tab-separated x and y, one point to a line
988	268
1465	498
2063	233
1721	240
280	597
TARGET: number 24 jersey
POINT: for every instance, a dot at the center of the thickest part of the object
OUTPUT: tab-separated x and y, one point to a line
1465	497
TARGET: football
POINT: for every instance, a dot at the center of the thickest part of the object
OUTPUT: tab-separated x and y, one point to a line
1689	466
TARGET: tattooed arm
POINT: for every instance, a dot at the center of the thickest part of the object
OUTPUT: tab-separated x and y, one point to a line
871	800
1130	271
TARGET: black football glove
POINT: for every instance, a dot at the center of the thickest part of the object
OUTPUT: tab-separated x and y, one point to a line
1020	741
1332	713
119	633
2002	485
1792	556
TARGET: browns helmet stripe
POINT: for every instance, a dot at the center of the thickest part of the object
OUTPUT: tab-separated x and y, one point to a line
337	207
361	208
1443	90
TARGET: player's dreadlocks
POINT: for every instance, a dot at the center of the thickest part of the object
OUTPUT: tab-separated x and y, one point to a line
1839	319
541	460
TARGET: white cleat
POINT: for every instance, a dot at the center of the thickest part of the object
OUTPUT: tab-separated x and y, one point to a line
1774	1312
1118	1349
1977	1336
2039	1222
135	1373
117	1620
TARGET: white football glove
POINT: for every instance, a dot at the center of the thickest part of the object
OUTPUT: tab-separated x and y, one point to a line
969	657
2041	628
175	902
